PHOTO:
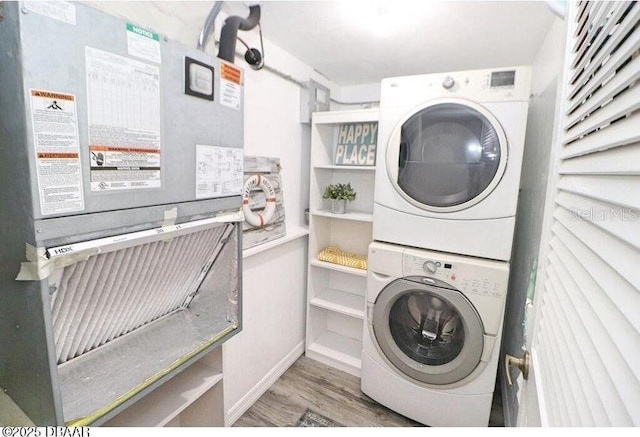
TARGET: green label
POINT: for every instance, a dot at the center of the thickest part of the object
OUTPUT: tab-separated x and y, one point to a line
142	32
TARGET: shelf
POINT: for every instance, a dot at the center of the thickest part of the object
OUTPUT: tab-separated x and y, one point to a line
335	292
170	399
338	268
364	168
352	116
359	216
342	302
339	348
290	236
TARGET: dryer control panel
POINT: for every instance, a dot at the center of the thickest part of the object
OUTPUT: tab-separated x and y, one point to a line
470	275
509	84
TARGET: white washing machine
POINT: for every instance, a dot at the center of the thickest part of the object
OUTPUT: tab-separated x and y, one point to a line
450	150
432	331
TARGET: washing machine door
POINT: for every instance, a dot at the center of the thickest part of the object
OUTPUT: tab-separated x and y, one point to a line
429	333
447	155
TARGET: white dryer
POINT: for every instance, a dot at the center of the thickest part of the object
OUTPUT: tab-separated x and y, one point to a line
450	150
432	331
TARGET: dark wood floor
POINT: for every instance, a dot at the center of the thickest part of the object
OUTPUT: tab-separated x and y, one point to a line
329	392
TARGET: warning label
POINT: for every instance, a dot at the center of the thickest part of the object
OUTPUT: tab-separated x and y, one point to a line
124	168
230	73
55	137
230	86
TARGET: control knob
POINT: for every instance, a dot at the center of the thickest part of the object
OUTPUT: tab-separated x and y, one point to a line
448	83
429	267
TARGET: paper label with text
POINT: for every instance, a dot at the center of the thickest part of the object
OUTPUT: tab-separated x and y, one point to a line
56	144
143	43
219	171
124	122
230	86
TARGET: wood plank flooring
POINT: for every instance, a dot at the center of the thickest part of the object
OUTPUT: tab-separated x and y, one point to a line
327	391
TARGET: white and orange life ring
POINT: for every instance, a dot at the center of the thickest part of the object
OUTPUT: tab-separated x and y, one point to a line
261	219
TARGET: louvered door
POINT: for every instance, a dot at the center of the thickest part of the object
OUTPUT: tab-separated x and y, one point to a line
585	341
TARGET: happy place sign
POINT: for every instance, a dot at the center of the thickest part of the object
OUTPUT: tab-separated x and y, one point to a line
356	144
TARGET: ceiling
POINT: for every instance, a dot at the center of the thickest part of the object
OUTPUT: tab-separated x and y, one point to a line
357	42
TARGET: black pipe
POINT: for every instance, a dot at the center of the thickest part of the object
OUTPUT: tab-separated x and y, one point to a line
229	32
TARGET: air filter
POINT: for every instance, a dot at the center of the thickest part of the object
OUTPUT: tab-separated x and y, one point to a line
127	310
100	299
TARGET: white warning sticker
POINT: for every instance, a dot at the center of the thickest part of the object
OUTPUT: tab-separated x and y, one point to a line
219	171
124	122
230	86
56	144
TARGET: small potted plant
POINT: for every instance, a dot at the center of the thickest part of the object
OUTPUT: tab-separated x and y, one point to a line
339	195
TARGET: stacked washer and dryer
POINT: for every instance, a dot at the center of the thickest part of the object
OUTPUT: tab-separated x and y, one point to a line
450	150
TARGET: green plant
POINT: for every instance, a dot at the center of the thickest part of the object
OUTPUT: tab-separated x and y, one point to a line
339	191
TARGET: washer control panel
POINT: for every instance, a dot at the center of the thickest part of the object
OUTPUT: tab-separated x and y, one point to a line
470	275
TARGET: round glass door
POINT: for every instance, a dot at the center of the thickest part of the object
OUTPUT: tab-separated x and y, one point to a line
447	156
431	334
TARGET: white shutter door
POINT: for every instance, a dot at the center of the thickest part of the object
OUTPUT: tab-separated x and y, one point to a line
587	338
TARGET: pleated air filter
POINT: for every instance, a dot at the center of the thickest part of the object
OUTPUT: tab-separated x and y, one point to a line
128	310
110	294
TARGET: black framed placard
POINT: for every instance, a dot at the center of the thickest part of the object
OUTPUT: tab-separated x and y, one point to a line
356	144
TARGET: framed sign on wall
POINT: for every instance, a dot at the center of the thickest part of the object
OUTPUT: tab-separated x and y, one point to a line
356	144
263	201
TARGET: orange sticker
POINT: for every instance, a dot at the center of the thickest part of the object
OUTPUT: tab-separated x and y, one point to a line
122	149
50	95
57	155
230	73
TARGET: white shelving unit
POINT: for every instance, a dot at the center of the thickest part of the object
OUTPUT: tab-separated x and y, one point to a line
336	294
194	397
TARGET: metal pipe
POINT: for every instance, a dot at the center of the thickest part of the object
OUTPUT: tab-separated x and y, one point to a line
209	26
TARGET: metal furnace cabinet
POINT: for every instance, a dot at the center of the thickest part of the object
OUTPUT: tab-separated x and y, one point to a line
120	195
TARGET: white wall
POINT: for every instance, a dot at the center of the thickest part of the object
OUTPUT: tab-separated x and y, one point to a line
547	67
274	287
272	337
274	281
369	93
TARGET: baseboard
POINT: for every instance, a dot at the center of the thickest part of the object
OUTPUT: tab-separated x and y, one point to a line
263	385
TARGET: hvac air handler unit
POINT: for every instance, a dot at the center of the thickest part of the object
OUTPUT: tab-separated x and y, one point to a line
120	189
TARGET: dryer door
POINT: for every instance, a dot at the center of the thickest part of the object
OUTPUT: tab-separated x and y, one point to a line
447	155
431	334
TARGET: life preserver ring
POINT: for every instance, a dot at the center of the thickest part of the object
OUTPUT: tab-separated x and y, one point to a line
261	219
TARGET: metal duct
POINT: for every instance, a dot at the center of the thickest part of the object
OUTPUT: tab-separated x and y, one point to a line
229	32
110	294
209	26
